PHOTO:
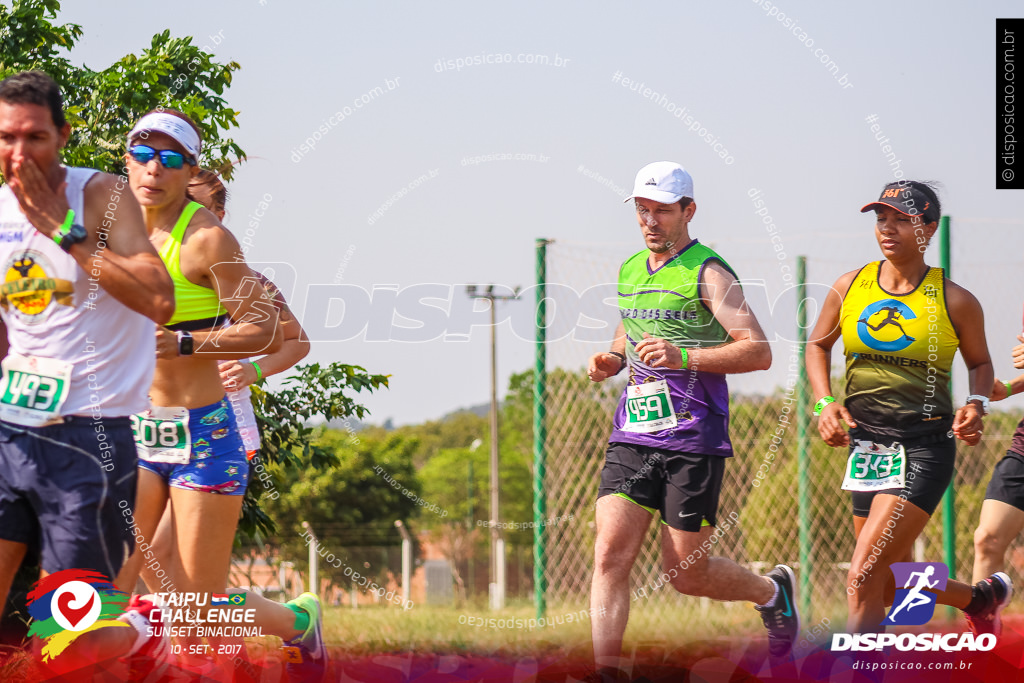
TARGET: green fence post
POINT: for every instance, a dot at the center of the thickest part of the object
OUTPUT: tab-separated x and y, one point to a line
803	419
540	434
949	498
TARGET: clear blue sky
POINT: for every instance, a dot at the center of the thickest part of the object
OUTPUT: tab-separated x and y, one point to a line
925	69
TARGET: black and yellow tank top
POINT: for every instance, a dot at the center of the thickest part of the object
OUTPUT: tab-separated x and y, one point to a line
899	351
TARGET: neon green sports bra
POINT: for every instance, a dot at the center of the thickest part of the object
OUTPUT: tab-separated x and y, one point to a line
195	307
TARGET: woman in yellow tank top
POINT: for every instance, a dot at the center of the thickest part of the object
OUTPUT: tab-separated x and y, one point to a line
202	470
901	322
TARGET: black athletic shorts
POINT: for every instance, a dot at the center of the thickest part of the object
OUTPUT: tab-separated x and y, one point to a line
1007	483
683	487
931	462
69	489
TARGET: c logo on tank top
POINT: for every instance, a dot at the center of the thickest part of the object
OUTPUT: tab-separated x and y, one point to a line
28	291
878	325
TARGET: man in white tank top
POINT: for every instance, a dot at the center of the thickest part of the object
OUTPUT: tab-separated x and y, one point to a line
81	291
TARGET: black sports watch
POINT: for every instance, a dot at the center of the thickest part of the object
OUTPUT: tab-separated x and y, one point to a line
185	343
66	239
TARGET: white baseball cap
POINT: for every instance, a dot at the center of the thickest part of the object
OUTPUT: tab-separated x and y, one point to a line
663	181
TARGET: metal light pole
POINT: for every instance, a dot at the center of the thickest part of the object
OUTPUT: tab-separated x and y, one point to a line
497	543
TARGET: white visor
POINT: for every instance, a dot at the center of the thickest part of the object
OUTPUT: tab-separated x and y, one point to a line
171	125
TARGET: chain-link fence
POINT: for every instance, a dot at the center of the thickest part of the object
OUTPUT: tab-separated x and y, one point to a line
350	559
582	316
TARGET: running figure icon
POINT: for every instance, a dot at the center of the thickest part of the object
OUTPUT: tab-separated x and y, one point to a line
914	598
892	318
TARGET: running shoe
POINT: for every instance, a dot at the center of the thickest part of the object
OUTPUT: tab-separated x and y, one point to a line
782	619
305	654
996	591
149	655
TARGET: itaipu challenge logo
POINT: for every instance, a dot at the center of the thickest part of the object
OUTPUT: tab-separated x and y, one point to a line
69	603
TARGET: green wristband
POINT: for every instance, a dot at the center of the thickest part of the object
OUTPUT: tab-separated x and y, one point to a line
1009	389
259	371
62	231
686	358
820	405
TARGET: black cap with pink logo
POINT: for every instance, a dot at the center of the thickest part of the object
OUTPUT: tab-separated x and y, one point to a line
906	198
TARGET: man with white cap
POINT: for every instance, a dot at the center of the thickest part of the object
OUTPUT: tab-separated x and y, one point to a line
685	325
82	289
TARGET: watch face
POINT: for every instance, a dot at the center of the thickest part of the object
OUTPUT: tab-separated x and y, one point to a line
75	234
185	345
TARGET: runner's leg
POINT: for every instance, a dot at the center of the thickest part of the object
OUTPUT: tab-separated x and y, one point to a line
718	578
621	530
150	501
999	524
204	524
11	555
890	587
162	547
879	544
273	617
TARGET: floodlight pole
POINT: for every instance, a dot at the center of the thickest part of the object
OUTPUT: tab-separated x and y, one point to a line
497	543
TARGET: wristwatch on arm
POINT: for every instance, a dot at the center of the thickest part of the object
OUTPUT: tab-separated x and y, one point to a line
982	399
70	233
186	344
622	358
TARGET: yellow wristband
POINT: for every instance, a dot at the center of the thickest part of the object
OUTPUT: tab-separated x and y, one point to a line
1009	389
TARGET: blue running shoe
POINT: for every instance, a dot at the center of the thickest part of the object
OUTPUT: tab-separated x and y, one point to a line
782	619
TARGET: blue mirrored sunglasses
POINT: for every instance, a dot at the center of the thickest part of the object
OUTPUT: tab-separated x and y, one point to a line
168	157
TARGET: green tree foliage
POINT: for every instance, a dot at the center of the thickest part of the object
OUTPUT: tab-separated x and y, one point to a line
443	454
349	504
102	106
458	430
289	443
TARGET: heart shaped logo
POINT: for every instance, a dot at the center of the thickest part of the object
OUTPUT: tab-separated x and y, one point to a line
76	606
72	614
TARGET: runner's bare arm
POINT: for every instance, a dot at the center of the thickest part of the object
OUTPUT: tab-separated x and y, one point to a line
604	364
819	363
969	322
749	350
255	329
128	267
1017	383
294	347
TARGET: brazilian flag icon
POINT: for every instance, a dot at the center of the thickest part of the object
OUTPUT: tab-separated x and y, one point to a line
237	598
